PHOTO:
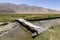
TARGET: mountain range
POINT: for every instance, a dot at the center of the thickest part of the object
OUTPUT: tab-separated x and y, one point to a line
10	8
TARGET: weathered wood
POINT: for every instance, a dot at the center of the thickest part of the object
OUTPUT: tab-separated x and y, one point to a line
36	30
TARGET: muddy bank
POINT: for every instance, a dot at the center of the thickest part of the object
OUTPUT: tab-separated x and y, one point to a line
13	31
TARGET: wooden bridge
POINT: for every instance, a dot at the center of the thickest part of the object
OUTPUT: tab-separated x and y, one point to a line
36	28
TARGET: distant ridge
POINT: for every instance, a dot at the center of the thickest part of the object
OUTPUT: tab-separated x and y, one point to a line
10	8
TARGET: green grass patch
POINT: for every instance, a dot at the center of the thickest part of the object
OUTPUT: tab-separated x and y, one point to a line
50	34
11	17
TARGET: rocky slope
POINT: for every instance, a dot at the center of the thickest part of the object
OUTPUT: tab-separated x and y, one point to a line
23	8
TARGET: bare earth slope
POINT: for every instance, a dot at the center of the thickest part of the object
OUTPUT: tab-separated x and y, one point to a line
23	8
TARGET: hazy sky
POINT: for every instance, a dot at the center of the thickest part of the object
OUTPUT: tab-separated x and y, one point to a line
52	4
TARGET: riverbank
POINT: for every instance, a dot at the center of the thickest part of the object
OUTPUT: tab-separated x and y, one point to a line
31	17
